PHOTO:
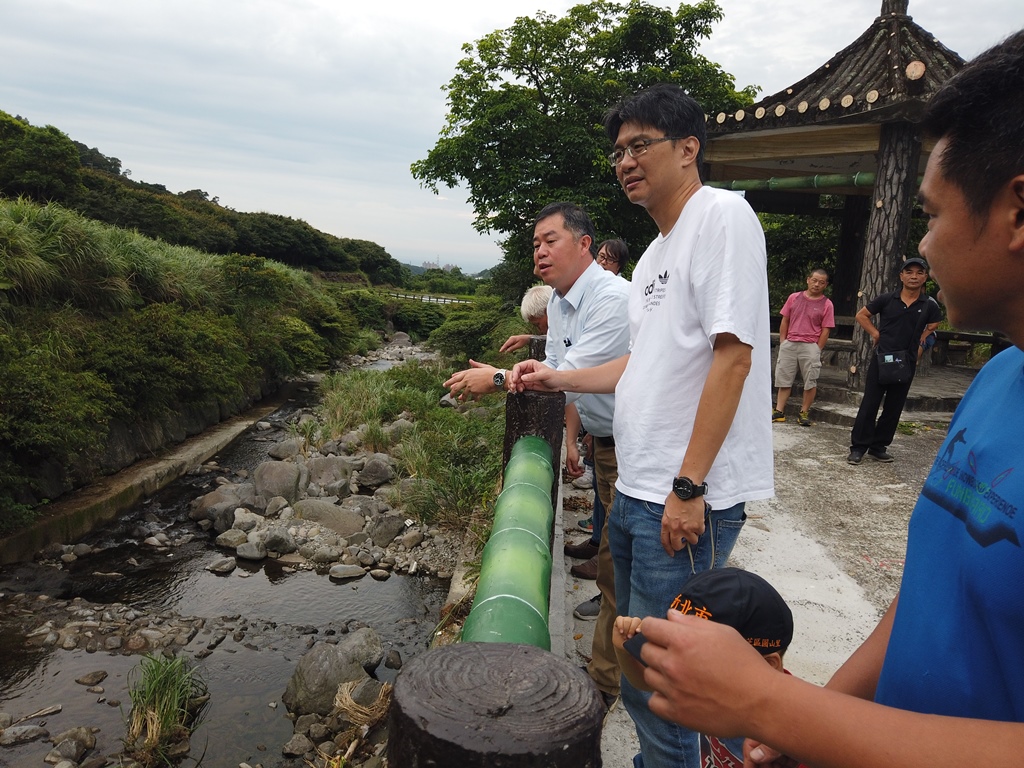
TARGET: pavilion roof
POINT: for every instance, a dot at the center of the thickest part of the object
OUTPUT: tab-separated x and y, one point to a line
886	74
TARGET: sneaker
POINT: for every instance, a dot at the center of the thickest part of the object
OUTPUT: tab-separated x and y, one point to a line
880	455
586	525
584	482
778	417
855	456
804	420
588	609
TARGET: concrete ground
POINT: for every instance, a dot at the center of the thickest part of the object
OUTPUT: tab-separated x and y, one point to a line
831	541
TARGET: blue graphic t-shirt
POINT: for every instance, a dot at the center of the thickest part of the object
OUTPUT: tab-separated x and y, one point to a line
957	643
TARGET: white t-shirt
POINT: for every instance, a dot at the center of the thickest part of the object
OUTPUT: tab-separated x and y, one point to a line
707	276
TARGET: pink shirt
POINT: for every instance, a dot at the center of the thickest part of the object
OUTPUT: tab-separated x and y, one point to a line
807	317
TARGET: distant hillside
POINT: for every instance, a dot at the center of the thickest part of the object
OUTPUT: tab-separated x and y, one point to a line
414	270
45	165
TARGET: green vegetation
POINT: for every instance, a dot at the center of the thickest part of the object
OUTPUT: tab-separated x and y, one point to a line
525	107
373	309
169	699
477	331
99	324
442	283
454	458
45	165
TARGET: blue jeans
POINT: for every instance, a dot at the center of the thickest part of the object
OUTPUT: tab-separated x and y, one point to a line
634	533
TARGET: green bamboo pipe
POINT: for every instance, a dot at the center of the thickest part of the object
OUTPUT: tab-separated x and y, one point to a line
511	603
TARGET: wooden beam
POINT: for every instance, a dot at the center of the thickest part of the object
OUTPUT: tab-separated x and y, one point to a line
747	147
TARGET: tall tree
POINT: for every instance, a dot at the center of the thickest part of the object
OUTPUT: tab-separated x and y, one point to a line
525	108
39	162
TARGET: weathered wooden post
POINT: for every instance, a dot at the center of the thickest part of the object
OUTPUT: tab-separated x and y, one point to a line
536	413
494	705
888	227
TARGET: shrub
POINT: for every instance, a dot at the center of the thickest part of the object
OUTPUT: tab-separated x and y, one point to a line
469	332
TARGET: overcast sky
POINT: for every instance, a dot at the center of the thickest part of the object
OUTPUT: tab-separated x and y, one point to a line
316	108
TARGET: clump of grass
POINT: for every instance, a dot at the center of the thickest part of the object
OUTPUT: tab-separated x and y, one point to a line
456	459
169	699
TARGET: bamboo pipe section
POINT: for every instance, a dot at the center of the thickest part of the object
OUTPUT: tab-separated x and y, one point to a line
818	181
511	603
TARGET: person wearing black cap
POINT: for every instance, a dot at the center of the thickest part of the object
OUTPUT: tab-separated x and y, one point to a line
906	318
731	596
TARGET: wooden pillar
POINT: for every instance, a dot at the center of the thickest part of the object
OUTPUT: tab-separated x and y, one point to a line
850	254
494	705
888	228
536	413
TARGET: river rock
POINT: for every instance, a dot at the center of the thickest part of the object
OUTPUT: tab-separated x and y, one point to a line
224	565
246	520
374	473
280	540
341	520
224	494
93	678
277	478
231	538
393	660
297	746
317	676
379	574
332	473
367	506
318	732
275	505
81	550
222	515
363	646
384	529
367	692
66	749
397	429
346	572
6	718
412	539
284	449
251	551
83	736
22	734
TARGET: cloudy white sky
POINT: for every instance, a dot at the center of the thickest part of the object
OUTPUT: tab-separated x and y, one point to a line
316	108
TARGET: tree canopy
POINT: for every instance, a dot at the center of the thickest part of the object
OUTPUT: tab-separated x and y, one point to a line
525	108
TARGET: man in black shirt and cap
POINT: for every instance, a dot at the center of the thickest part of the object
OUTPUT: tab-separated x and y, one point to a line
906	318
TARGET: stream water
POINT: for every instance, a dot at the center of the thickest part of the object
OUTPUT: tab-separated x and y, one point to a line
279	610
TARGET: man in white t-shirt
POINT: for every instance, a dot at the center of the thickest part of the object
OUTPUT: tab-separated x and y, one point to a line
692	394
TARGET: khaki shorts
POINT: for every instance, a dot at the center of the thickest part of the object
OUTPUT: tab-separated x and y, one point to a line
802	355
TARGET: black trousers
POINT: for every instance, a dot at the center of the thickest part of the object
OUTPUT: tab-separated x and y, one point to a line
867	433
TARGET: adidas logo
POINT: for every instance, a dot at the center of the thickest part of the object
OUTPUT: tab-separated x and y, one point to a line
663	278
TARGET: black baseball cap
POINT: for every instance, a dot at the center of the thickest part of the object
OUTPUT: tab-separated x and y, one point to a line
915	261
743	601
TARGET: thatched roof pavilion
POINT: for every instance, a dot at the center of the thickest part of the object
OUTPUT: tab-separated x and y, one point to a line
848	128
